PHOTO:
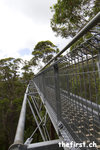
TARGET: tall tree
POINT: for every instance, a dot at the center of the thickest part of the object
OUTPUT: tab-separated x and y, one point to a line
9	75
28	73
12	90
44	51
71	15
11	95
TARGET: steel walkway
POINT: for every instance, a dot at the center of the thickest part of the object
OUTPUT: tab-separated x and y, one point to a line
67	90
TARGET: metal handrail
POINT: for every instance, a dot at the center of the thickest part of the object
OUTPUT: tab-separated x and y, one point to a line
84	30
18	142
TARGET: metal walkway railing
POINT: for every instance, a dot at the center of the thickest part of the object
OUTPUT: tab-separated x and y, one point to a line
70	92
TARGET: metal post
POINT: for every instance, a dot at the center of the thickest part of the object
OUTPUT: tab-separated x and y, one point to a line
57	92
44	87
98	64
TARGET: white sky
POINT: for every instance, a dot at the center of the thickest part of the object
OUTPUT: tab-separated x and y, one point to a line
23	23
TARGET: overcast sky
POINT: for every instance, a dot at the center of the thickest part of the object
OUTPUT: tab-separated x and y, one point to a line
23	23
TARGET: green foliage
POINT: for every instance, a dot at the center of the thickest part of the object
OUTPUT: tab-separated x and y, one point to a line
81	40
44	51
12	89
71	15
13	81
28	73
80	80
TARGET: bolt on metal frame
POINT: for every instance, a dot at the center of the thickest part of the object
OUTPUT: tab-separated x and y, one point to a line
70	91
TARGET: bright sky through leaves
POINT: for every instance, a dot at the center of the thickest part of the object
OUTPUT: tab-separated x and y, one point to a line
23	23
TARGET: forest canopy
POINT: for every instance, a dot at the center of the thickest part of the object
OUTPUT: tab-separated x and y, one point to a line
70	16
15	75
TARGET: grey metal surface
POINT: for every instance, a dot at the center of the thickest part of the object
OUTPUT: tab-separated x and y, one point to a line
57	91
49	110
70	92
76	87
18	147
90	25
48	145
36	120
19	137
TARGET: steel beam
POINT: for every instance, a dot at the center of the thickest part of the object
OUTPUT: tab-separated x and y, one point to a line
84	30
48	145
19	137
36	120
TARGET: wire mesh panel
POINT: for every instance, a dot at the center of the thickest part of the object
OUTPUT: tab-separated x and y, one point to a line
79	88
46	85
80	91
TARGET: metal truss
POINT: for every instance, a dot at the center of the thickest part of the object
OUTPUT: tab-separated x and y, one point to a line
69	93
36	105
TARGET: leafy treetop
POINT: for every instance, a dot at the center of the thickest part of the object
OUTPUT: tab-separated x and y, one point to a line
72	15
44	50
